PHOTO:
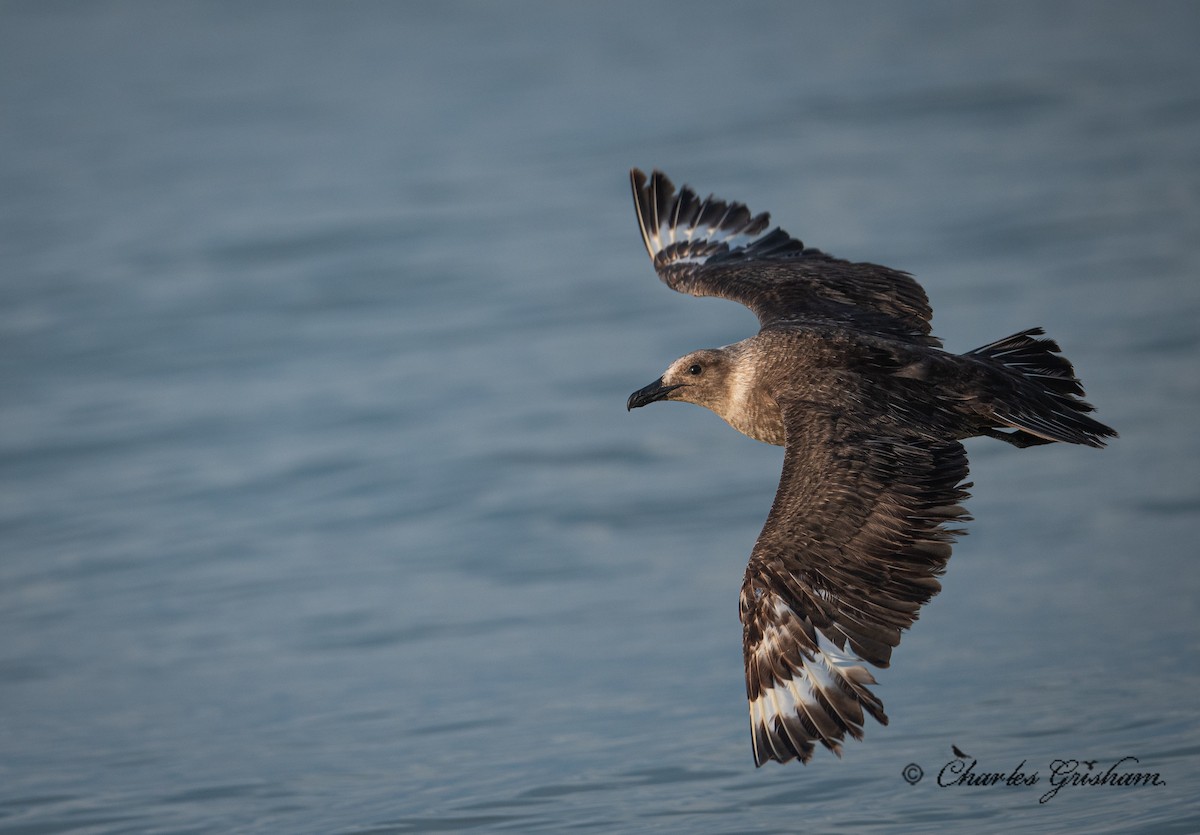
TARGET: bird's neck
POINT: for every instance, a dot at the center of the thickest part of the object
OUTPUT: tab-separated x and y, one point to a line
750	409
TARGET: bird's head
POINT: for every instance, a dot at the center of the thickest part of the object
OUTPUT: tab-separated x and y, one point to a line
701	377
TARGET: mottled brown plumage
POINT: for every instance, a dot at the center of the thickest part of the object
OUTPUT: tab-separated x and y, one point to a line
846	375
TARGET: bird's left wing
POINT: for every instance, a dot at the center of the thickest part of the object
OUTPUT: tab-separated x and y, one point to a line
851	550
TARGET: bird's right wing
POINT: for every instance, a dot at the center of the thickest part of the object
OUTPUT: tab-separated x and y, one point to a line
711	247
850	552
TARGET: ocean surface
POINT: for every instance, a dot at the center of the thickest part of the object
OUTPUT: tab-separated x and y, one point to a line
320	508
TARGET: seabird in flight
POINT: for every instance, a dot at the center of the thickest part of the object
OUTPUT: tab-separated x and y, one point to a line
846	376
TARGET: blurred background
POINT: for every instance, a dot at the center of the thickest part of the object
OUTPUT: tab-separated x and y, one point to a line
320	509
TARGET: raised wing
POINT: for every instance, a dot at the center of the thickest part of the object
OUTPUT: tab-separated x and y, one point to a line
850	552
711	247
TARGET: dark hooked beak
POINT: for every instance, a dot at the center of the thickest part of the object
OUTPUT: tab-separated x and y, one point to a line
654	391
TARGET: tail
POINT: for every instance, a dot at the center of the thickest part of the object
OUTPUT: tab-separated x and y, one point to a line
1042	400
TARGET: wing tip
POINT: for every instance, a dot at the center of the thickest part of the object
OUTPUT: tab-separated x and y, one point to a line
637	181
802	688
677	225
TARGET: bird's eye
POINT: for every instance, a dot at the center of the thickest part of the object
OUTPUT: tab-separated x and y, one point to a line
695	370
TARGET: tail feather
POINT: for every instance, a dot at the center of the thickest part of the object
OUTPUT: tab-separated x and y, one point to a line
1045	400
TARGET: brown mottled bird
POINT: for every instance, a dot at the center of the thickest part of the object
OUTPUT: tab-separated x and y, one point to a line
846	376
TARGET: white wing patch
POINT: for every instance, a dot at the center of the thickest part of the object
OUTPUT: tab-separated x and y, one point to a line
817	693
683	229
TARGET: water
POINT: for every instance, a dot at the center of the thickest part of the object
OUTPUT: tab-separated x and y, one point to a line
320	508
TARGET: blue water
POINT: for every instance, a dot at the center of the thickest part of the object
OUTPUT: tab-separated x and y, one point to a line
320	510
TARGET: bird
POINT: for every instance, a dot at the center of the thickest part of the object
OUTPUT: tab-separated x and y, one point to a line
871	410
